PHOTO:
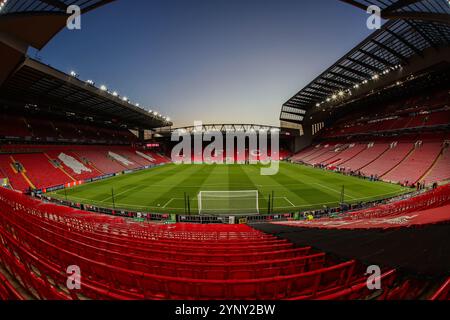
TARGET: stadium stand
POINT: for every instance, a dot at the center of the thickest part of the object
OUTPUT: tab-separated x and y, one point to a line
395	128
33	128
43	166
405	159
352	151
13	126
443	293
371	153
430	207
440	171
416	164
41	171
193	261
72	165
16	178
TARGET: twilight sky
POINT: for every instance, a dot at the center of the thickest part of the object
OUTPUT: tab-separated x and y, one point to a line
219	61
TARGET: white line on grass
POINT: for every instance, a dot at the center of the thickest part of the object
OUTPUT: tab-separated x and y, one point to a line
334	190
130	206
167	203
289	202
120	193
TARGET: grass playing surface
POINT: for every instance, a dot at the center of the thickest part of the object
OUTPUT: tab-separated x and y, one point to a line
162	189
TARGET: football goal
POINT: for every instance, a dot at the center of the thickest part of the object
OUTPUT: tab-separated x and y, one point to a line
224	202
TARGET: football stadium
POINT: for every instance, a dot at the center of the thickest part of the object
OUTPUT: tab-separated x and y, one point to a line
344	195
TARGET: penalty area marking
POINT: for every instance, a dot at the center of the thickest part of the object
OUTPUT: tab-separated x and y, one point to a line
334	190
293	205
167	203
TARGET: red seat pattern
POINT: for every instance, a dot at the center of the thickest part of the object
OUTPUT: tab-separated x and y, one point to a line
443	293
352	151
123	260
44	168
126	260
16	179
305	153
54	155
49	129
416	165
406	121
40	171
428	208
323	153
100	159
361	290
363	159
388	160
441	170
8	291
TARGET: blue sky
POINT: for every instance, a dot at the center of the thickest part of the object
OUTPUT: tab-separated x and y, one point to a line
219	61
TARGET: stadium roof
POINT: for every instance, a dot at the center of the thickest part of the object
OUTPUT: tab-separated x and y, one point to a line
23	80
37	83
386	50
54	6
226	128
36	22
431	10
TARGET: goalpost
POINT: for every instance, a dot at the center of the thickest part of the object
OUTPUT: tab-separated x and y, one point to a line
216	202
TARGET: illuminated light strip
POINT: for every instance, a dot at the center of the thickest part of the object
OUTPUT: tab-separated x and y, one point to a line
3	4
104	88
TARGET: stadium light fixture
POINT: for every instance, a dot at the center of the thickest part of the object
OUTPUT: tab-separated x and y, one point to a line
155	113
328	99
341	93
334	97
317	104
103	87
115	94
375	77
90	82
356	86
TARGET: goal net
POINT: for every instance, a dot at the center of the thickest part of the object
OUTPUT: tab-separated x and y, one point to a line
226	202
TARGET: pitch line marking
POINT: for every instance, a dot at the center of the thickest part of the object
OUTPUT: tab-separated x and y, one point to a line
92	202
293	205
167	203
120	193
331	189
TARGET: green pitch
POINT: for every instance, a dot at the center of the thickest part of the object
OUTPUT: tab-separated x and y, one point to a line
162	189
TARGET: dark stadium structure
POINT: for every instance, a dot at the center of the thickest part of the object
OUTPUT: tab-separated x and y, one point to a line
380	113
